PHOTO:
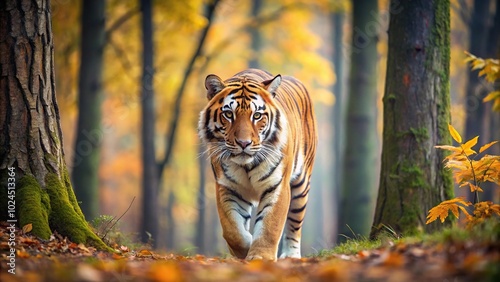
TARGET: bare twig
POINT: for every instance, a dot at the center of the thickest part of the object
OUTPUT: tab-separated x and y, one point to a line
116	221
256	22
178	98
119	22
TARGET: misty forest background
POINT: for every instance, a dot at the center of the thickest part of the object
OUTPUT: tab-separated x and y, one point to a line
102	46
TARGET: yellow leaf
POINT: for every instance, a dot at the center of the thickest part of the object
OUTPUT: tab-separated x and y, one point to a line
474	188
27	228
469	144
486	146
491	96
441	211
449	148
454	133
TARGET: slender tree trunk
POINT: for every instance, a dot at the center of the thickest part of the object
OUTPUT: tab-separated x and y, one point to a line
360	160
170	241
172	130
337	21
149	172
31	145
416	113
475	91
201	204
491	120
85	173
255	36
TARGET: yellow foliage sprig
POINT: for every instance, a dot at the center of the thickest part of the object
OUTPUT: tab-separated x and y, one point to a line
490	69
468	172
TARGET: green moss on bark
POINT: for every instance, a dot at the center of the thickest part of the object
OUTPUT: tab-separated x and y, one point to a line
66	217
33	206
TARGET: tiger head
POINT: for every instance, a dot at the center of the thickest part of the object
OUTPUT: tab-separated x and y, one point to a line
242	121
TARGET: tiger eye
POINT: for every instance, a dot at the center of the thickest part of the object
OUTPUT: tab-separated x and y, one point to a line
257	116
228	114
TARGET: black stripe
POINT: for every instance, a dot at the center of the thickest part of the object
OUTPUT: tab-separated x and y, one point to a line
272	170
207	118
270	190
294	220
234	91
299	210
263	208
303	194
258	219
237	195
297	185
266	133
246	217
292	239
213	170
234	201
229	177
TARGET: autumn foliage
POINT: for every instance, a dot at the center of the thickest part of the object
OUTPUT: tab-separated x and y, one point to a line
490	69
469	172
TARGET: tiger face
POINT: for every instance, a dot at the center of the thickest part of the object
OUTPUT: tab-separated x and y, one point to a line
238	121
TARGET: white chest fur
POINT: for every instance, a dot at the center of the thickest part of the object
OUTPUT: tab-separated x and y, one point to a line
249	181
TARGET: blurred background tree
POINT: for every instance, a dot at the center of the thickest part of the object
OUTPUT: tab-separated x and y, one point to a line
307	39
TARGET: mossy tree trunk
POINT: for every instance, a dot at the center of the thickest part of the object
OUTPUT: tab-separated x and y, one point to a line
89	135
30	132
361	150
416	113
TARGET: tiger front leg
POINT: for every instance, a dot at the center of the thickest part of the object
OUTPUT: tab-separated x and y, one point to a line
234	214
269	223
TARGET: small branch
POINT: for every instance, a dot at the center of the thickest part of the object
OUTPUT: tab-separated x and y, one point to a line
253	23
116	221
461	9
178	98
122	56
119	22
476	193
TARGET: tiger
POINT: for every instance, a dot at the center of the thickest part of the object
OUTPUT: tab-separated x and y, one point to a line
260	136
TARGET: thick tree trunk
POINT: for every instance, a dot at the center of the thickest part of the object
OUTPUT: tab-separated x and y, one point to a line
31	139
416	113
149	173
85	173
360	159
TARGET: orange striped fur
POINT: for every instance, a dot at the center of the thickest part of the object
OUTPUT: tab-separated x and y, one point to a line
260	133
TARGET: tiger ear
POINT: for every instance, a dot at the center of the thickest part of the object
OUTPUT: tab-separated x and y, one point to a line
214	85
272	85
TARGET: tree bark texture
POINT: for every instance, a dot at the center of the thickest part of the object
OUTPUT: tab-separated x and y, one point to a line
361	151
149	172
416	113
89	134
31	137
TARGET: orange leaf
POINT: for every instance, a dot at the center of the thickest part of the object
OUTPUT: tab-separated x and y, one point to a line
27	228
454	133
449	148
485	147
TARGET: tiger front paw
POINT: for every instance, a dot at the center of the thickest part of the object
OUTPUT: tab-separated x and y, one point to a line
260	256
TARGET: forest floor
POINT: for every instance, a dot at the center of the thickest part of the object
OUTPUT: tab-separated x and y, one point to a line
57	259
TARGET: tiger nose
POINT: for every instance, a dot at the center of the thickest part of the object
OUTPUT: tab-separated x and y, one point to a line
243	143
